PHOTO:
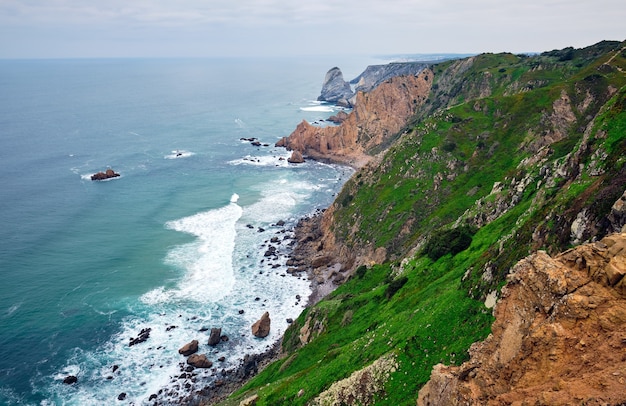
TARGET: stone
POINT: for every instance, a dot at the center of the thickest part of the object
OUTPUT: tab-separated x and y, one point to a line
121	396
214	338
296	158
144	334
70	380
189	348
199	361
251	401
261	328
108	174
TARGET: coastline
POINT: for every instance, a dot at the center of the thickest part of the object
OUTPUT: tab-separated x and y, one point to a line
307	235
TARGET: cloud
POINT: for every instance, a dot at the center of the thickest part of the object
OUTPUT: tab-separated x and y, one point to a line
315	26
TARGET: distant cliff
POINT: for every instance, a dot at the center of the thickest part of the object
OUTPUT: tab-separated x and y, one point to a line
377	117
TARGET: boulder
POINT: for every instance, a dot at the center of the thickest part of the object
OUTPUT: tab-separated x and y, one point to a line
108	174
261	328
295	158
189	348
199	361
215	336
69	380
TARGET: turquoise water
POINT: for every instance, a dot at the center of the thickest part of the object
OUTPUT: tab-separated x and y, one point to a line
85	266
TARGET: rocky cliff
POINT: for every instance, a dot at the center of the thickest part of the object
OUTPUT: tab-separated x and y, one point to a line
559	337
508	156
335	89
377	117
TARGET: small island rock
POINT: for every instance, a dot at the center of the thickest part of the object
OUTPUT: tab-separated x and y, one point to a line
110	173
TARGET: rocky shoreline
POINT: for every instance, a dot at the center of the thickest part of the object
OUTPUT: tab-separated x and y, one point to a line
307	237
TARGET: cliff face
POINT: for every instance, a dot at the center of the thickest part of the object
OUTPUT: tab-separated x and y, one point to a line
377	117
509	155
559	337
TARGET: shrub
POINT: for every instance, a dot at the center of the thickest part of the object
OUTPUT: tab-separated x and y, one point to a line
395	286
360	271
449	242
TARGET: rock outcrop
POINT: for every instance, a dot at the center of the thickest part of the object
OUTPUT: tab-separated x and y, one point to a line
261	328
108	174
374	75
377	117
335	89
559	337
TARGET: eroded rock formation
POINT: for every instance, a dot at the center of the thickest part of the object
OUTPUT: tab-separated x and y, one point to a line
108	174
559	337
335	89
378	115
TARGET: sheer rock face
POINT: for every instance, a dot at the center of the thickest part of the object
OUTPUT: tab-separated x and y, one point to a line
335	89
559	337
377	116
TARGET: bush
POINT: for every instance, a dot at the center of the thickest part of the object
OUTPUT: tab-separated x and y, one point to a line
449	242
360	271
395	286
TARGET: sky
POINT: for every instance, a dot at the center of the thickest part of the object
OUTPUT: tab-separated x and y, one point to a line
205	28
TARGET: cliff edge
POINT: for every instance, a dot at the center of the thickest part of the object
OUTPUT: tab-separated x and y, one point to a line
559	337
377	117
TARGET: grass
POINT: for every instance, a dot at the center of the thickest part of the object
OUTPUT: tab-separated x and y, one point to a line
438	176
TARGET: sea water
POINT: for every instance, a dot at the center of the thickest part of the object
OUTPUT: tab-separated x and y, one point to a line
175	244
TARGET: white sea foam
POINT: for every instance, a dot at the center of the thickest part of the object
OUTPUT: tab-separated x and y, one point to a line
323	109
276	159
178	154
206	262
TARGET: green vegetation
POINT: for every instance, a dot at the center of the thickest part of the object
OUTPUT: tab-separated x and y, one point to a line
509	151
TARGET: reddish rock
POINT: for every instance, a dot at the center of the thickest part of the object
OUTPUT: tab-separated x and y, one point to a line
558	337
110	173
189	348
296	158
199	361
261	328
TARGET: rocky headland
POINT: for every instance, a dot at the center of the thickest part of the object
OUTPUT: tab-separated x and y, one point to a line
499	163
377	117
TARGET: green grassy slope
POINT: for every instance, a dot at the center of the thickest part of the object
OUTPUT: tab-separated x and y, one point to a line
512	148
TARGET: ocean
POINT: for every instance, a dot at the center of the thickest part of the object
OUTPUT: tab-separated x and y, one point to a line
175	244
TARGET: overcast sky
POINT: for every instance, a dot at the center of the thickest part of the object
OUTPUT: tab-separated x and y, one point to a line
199	28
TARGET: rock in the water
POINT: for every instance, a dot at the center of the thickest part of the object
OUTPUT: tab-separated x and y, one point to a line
189	348
295	158
108	174
199	361
261	328
121	396
144	334
335	89
214	338
69	380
